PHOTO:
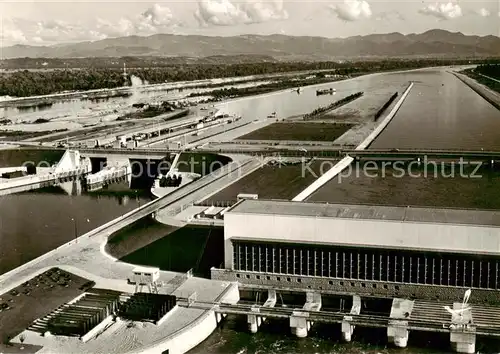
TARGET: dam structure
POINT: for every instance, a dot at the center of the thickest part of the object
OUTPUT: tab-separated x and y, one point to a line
71	166
421	258
398	269
117	168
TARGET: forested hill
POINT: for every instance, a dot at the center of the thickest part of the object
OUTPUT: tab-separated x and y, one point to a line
433	43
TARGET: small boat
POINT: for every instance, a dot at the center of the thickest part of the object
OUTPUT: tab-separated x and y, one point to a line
325	91
272	115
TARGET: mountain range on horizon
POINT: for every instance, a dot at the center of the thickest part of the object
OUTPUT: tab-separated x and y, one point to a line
433	43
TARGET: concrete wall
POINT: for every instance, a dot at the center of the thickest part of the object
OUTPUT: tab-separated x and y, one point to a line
197	331
373	135
355	232
350	287
317	184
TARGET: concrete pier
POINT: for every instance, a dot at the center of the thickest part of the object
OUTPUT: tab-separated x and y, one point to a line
346	326
299	322
255	320
313	303
462	329
397	330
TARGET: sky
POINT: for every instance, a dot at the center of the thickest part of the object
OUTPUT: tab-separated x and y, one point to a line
39	22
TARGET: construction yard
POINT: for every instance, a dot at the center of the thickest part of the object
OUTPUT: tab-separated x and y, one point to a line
299	131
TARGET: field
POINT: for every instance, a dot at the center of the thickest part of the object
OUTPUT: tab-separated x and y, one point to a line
36	298
274	182
435	190
299	132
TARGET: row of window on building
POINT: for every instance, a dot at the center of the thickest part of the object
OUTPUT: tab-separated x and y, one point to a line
368	264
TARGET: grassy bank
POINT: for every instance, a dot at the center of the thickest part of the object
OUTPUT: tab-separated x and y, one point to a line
476	75
298	131
278	181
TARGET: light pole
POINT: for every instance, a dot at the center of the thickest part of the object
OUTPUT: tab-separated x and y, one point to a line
76	229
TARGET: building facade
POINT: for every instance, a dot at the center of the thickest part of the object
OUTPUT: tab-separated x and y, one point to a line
377	250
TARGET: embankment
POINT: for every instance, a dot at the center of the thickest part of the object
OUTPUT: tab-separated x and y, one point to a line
373	135
334	105
489	95
385	106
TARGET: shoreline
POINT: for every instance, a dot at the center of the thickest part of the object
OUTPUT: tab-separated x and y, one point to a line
485	92
174	85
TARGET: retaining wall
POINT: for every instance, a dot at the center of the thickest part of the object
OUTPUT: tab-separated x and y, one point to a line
197	331
335	170
354	287
481	90
370	138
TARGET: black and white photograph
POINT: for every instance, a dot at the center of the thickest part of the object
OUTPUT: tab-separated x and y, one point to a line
249	176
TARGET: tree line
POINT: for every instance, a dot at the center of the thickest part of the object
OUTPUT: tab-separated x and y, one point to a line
29	83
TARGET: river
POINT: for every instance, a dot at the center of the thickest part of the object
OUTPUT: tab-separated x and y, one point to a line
35	222
91	111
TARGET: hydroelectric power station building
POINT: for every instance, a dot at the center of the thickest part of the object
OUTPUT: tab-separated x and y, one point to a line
404	253
379	249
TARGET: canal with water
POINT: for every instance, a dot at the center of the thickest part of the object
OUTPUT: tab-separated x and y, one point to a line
33	223
441	112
